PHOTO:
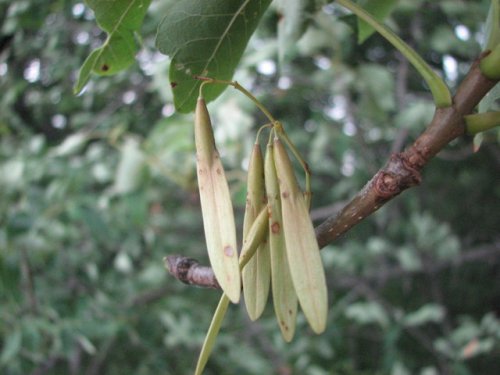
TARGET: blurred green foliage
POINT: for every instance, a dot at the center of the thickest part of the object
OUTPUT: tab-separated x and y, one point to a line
95	190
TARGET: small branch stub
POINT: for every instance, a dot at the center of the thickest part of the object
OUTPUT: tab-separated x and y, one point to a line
190	272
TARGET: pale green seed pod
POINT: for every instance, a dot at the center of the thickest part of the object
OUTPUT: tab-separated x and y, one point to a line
302	248
256	275
257	234
216	206
284	296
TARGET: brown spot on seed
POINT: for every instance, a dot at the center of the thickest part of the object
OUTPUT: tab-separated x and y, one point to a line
275	227
228	251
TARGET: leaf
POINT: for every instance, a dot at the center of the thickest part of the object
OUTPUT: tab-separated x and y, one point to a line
378	86
367	313
379	9
294	17
429	313
216	207
493	25
71	145
11	346
491	102
120	19
206	38
130	171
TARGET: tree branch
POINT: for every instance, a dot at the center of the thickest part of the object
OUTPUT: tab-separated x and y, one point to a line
402	171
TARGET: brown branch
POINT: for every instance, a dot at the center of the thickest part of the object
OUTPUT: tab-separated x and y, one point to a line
402	171
190	272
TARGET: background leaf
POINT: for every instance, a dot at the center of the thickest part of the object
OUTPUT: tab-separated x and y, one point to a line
379	9
293	21
120	19
226	27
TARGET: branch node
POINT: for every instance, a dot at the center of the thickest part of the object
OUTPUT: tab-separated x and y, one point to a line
386	185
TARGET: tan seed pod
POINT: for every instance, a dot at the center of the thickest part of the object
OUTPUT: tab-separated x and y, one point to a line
216	206
284	297
302	248
257	273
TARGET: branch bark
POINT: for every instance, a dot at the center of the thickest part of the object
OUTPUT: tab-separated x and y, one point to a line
402	171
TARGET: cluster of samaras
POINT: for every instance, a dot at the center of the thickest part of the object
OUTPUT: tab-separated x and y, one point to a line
279	245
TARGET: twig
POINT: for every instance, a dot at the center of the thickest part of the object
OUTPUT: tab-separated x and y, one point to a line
190	272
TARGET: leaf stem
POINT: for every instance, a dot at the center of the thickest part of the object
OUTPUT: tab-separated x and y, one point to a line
244	91
490	64
212	333
270	125
439	90
480	122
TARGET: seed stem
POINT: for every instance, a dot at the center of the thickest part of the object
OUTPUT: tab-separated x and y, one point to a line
244	91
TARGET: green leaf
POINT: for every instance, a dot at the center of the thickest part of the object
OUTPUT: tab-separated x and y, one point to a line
206	38
11	346
379	9
130	170
294	17
429	313
367	313
120	19
491	102
493	25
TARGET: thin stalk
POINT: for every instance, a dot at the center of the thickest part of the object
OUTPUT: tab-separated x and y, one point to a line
260	130
480	122
244	91
212	333
439	90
